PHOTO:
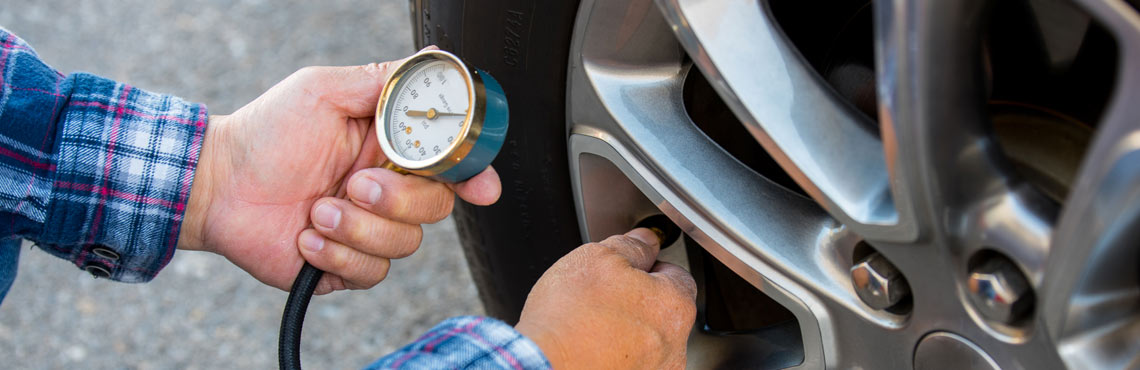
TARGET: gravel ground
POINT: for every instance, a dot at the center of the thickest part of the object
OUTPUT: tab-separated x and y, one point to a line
203	312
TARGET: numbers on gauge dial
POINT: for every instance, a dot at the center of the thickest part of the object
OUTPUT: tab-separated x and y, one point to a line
429	110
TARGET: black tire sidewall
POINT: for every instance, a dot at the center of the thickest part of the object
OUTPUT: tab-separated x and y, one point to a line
525	46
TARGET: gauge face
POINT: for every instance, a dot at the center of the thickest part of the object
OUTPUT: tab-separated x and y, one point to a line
427	110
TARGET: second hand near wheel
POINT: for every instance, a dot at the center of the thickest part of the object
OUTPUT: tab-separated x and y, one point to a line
437	118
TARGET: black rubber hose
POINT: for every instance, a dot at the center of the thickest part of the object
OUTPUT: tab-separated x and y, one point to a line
289	344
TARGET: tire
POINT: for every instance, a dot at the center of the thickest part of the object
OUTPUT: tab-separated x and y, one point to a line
525	46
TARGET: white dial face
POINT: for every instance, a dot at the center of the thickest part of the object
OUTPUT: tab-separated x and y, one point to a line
428	110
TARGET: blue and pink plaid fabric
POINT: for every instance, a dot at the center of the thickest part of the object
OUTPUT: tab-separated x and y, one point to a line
91	165
467	342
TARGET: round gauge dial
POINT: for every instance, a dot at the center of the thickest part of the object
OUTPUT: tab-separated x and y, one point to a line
428	110
439	118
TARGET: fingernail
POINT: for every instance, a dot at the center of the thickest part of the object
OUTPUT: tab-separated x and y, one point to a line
326	215
312	242
644	235
365	190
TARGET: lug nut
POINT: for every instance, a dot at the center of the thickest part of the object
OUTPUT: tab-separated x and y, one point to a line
1000	291
878	283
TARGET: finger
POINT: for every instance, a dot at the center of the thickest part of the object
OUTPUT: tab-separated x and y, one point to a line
407	199
370	155
676	277
639	246
482	190
354	90
357	269
329	283
344	222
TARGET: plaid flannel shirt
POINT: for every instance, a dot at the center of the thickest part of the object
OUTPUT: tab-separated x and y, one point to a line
467	342
93	171
98	173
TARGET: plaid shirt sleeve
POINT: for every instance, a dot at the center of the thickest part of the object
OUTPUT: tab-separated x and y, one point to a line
94	171
467	342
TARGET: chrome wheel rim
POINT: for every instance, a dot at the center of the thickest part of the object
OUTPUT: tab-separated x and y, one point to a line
930	190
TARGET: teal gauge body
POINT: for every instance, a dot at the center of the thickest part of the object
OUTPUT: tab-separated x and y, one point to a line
439	118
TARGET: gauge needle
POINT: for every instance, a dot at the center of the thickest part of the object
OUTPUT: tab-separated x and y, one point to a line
431	113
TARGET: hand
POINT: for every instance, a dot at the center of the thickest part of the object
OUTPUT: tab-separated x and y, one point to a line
272	178
609	305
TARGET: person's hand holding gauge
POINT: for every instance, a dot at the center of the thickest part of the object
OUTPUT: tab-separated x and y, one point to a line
436	118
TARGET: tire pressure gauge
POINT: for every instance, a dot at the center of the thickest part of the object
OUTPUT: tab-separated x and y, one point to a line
436	118
441	119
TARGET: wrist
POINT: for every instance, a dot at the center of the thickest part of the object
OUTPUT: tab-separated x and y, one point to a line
192	234
549	344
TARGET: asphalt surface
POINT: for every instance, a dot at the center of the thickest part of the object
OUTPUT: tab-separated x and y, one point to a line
201	312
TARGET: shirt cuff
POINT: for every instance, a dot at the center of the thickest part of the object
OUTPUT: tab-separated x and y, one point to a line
467	342
126	161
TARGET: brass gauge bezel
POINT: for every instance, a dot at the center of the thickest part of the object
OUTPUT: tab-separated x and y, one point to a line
468	134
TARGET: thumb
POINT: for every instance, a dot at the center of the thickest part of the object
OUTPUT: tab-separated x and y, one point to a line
639	246
354	90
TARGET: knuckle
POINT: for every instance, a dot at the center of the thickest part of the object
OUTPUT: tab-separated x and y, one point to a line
410	243
442	205
689	285
374	69
373	275
389	239
598	260
358	231
384	67
400	204
431	204
628	245
592	250
622	241
323	287
616	240
332	285
681	289
580	257
382	269
306	73
653	340
337	260
356	265
682	303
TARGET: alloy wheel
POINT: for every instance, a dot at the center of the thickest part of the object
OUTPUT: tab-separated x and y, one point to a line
1010	258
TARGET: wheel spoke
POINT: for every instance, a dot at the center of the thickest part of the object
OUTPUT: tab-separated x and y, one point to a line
949	174
825	144
932	96
1091	289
